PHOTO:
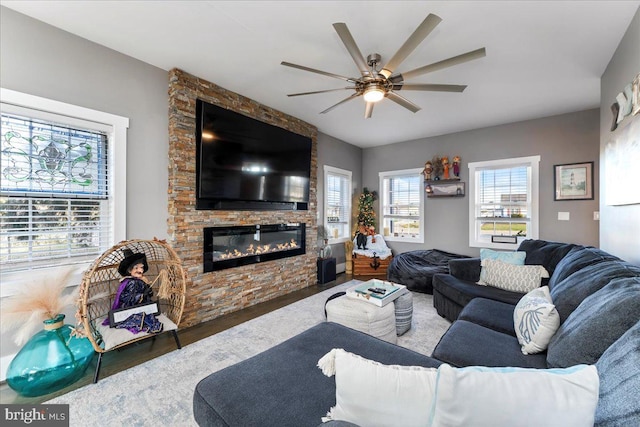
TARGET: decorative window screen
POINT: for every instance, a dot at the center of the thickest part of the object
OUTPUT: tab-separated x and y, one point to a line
337	204
504	201
55	206
402	205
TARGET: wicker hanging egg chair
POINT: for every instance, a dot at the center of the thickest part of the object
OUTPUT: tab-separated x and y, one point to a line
100	284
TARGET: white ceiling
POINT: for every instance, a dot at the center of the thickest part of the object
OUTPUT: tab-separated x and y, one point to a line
543	57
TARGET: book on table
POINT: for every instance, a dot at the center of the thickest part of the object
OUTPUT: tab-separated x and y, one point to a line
376	291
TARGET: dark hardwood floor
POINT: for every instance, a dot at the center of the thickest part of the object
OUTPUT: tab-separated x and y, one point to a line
135	354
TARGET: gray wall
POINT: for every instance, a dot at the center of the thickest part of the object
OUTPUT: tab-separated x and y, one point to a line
568	138
42	60
620	225
339	154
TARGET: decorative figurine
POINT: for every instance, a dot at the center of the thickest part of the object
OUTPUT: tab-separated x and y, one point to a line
134	290
428	168
361	238
456	166
445	167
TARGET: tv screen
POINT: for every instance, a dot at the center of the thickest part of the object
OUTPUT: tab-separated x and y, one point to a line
243	163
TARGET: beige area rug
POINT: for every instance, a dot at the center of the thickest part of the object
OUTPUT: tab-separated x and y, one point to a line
160	391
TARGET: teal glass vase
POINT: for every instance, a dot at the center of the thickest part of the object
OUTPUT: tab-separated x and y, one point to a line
51	360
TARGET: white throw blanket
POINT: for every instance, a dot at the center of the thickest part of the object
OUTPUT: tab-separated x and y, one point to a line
379	248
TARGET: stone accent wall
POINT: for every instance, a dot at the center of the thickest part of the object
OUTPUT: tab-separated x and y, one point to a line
210	295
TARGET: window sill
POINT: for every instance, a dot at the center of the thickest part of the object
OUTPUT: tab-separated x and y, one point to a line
338	240
11	282
404	239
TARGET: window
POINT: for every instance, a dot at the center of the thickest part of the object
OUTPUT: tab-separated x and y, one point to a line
401	202
61	183
503	201
337	202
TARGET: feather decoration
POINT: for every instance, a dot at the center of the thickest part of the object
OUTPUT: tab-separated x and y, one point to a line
34	303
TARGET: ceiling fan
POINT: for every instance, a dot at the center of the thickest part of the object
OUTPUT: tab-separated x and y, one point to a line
375	84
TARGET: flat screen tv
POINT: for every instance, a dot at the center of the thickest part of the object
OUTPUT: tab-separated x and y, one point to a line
245	164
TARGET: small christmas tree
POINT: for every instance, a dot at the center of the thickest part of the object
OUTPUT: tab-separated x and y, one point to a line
366	215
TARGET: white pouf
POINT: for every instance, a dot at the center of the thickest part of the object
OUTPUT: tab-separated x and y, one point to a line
362	316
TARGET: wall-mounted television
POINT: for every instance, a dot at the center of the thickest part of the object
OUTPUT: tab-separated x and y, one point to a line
245	164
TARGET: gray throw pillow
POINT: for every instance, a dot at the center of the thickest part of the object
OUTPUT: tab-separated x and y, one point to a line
596	324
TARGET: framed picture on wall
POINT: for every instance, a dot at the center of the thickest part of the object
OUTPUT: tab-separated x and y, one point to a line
574	181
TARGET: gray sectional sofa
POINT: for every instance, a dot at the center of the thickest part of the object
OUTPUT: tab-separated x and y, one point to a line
597	296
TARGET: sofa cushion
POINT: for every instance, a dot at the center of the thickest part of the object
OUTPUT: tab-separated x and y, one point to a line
578	258
619	370
506	397
466	344
465	269
370	393
491	314
222	399
569	293
515	278
596	324
462	292
547	254
535	320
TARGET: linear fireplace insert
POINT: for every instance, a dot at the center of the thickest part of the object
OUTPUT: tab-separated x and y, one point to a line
233	246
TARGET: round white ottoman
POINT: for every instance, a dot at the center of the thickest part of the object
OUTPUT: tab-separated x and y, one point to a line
362	316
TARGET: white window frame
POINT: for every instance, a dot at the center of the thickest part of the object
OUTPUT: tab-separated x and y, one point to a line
13	101
533	188
383	202
330	170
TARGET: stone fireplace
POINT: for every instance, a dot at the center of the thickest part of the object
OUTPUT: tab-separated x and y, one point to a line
211	294
235	246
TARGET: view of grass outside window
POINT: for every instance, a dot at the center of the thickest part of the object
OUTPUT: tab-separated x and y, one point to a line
502	199
402	205
54	197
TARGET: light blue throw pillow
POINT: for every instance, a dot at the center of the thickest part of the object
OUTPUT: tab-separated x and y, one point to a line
511	257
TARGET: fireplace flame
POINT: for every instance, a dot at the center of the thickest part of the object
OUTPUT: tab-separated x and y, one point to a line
258	250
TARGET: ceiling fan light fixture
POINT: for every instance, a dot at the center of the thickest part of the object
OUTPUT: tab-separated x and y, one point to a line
373	93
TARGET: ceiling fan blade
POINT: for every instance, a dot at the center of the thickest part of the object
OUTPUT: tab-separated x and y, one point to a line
403	101
430	87
368	109
420	33
465	57
313	70
352	47
319	91
349	98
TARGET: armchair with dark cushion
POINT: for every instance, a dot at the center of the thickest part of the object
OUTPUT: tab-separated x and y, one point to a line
415	269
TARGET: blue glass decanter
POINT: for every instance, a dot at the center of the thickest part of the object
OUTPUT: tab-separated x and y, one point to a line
51	360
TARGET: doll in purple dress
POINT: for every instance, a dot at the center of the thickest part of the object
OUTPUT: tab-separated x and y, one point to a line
134	290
